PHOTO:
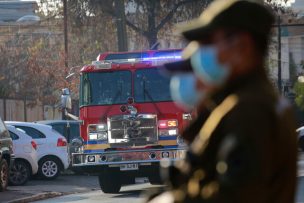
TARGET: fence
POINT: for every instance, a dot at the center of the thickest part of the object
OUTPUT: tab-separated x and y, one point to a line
20	110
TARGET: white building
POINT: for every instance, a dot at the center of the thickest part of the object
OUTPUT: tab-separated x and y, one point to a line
298	6
292	47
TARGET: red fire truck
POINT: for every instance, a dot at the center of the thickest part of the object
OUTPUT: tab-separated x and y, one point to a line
129	121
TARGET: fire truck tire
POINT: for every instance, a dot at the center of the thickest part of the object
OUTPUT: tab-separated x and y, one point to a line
155	180
107	183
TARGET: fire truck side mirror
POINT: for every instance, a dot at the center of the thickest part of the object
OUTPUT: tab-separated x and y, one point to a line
66	101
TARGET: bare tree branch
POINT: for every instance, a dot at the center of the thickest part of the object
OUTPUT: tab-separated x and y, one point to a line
135	28
171	13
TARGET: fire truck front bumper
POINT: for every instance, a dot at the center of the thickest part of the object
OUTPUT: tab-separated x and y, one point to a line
125	160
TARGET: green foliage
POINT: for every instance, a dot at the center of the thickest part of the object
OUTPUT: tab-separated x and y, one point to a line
299	90
292	69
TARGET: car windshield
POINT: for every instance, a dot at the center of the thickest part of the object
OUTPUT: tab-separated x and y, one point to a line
105	88
151	86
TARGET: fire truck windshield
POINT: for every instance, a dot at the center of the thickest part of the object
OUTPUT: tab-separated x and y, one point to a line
105	88
151	86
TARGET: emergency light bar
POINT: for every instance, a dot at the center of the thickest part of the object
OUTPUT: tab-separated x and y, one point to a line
101	64
154	60
165	58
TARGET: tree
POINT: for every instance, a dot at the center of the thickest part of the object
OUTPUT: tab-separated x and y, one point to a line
145	17
92	29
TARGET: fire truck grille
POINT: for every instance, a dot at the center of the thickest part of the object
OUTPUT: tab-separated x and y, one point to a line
140	129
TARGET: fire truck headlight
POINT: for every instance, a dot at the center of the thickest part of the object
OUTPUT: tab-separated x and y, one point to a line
172	132
168	132
98	131
93	136
102	135
102	127
98	136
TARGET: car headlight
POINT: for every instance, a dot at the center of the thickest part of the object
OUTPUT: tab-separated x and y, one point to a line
97	132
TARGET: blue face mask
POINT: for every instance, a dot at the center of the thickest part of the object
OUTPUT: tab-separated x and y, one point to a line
183	90
206	66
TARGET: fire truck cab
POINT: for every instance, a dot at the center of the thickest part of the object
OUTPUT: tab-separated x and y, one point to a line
129	121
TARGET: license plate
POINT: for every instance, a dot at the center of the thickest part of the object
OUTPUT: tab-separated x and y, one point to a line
128	167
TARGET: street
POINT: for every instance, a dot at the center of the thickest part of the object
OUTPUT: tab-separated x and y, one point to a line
129	194
132	194
75	188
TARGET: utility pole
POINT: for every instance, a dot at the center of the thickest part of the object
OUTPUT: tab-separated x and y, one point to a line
66	53
121	25
65	25
279	56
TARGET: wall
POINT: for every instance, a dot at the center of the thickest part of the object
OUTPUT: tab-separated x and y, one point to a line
21	110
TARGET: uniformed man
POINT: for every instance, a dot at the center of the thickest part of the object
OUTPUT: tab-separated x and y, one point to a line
243	144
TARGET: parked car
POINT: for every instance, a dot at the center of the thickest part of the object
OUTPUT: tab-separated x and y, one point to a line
300	132
6	155
70	129
51	148
26	161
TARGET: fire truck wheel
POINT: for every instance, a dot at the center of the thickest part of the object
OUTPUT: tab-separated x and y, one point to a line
107	183
155	180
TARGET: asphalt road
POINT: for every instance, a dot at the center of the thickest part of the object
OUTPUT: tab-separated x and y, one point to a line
79	189
128	194
133	194
65	184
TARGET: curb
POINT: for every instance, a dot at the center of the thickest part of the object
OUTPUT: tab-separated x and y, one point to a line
37	197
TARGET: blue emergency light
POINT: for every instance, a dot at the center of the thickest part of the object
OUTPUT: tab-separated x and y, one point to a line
173	57
158	58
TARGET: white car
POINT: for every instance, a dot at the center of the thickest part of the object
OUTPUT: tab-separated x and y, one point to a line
26	161
52	148
300	132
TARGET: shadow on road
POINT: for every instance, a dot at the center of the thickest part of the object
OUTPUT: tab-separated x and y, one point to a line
130	193
144	192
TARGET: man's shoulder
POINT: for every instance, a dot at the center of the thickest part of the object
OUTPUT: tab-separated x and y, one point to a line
258	91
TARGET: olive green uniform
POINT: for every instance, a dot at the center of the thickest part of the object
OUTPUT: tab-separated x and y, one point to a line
245	150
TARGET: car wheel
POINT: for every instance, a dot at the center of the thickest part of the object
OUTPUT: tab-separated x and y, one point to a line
49	168
19	173
4	173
